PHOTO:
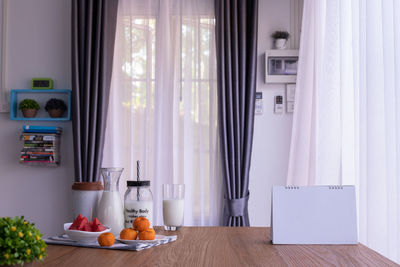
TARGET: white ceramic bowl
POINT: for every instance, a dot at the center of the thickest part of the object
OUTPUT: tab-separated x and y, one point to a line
83	236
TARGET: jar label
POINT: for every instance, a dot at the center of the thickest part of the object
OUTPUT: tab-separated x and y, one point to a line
134	209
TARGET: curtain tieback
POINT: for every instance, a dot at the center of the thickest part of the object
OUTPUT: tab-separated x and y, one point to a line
237	206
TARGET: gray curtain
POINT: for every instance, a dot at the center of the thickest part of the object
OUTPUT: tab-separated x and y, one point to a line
236	35
93	35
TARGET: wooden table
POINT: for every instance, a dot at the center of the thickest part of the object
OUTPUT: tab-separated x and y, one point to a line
219	246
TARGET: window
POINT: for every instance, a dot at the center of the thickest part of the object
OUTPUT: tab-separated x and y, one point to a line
163	108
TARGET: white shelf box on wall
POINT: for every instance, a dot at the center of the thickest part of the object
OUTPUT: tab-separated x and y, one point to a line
281	66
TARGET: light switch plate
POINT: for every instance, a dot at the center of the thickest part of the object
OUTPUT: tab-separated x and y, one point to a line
290	91
290	106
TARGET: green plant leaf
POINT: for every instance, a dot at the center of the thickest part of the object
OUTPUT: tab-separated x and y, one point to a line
14	246
28	104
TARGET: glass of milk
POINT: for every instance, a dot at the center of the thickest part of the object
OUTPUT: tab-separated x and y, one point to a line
173	206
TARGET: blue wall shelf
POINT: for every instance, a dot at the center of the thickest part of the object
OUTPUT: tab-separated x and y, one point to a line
41	96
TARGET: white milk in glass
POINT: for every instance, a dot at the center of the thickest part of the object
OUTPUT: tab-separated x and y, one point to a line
134	209
111	212
173	212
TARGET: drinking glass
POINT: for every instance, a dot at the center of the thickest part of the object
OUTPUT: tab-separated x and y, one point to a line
173	206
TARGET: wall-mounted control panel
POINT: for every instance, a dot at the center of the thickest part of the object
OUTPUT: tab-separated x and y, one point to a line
259	104
278	104
281	66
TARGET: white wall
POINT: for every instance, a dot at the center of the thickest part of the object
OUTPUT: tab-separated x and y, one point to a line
271	132
38	44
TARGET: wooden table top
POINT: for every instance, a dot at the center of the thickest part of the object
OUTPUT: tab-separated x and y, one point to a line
219	246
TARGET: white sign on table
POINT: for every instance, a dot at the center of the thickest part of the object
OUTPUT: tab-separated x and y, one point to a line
314	215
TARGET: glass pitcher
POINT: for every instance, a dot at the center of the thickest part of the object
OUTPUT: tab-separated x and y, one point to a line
110	210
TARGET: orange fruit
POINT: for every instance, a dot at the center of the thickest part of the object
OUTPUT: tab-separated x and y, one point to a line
148	234
128	234
141	224
106	239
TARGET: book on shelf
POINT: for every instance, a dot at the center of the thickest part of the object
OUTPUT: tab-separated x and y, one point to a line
39	160
33	153
39	137
39	149
41	145
22	160
41	129
49	158
46	142
38	145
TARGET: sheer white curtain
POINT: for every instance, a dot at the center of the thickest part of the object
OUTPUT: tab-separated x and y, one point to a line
346	127
163	103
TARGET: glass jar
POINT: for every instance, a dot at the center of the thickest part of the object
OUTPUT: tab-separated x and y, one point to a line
138	202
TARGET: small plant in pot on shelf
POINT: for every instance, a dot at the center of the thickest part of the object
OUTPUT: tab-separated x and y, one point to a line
29	108
55	107
20	242
280	39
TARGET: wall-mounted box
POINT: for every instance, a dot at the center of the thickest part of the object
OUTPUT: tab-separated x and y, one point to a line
40	96
281	66
259	104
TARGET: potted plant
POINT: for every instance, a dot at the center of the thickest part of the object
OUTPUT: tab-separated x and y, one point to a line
29	108
280	39
55	107
20	242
